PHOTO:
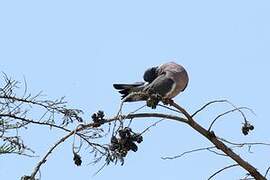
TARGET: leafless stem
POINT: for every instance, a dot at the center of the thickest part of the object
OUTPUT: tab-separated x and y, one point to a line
152	125
219	144
208	104
244	144
219	171
228	112
188	152
267	171
44	159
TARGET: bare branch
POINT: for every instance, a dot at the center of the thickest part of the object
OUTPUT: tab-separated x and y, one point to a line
219	144
227	112
206	105
244	144
223	101
217	153
152	125
150	115
267	171
44	159
188	152
34	122
219	171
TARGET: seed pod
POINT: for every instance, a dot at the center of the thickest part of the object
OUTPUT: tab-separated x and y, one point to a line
245	130
94	116
133	147
122	133
77	159
100	114
114	140
139	138
113	147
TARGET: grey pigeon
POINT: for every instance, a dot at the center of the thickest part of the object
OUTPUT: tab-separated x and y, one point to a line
167	80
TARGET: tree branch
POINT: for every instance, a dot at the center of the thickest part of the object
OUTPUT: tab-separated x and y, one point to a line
227	112
188	152
219	171
91	125
219	144
189	120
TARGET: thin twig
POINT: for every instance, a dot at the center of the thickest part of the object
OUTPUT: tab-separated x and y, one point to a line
206	105
267	171
220	145
63	139
219	171
217	153
244	144
138	109
225	113
34	122
188	152
152	125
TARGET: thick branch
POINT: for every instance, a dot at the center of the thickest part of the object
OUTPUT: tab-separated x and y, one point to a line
220	145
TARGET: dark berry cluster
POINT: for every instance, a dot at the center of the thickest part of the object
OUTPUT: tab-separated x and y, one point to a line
98	118
125	142
246	128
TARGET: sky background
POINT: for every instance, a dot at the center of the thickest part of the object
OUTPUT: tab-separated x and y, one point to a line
78	49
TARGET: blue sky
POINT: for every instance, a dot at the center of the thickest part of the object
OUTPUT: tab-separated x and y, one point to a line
78	49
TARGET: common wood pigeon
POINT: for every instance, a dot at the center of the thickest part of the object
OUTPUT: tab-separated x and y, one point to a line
167	80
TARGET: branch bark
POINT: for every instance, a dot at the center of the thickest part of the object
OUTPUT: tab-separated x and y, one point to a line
220	145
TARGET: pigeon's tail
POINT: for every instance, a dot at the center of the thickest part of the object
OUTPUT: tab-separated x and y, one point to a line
126	89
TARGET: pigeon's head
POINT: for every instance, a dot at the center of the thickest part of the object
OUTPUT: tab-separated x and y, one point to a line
150	74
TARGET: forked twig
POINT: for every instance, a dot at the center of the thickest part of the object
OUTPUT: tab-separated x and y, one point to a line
228	112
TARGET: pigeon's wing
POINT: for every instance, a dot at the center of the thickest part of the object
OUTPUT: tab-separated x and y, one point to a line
122	86
126	89
161	85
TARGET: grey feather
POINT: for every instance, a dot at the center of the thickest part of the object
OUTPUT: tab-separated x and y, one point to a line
161	85
126	89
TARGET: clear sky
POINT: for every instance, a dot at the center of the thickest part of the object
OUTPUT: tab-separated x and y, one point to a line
78	49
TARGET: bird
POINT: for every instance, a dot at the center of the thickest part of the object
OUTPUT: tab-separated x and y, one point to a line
166	80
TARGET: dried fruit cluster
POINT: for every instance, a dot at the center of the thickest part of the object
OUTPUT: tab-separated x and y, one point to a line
98	118
246	128
125	142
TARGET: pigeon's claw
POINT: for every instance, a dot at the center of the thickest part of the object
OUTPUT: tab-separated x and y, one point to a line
167	101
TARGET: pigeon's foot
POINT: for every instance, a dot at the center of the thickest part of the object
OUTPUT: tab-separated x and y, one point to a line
153	100
167	101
